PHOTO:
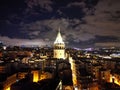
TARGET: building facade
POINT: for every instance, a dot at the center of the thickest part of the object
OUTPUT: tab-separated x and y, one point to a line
59	47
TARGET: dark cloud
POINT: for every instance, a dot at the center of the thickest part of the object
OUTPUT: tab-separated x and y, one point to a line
83	23
107	39
10	7
45	5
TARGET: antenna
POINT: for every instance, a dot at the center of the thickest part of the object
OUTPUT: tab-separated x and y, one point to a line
59	29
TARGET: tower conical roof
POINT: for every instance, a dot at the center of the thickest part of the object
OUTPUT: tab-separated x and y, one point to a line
59	38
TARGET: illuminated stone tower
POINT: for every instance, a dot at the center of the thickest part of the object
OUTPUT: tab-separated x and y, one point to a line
59	47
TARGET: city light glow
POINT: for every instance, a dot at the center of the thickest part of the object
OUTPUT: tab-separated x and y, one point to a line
73	68
115	80
35	76
8	88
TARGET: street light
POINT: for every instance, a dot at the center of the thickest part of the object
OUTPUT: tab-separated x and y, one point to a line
4	47
75	88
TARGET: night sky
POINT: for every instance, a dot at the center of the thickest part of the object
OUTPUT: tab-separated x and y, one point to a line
83	23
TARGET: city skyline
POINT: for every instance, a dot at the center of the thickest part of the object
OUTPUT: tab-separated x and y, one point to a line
83	23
